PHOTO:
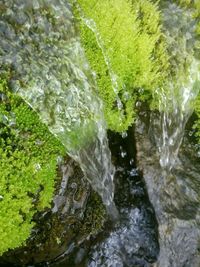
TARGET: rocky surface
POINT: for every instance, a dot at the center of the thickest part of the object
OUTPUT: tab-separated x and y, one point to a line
133	239
76	213
175	197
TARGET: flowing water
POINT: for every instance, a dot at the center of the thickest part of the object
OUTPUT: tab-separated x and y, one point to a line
90	23
41	51
174	196
133	241
176	99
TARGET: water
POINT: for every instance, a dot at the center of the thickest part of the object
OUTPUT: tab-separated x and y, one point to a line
177	98
174	196
133	241
41	51
90	23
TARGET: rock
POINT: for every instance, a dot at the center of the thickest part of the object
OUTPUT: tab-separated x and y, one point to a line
175	197
72	219
133	239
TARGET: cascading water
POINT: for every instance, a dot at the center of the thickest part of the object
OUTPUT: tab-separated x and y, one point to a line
176	99
90	23
40	48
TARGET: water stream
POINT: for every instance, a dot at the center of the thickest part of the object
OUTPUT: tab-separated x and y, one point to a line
90	23
41	51
176	99
133	241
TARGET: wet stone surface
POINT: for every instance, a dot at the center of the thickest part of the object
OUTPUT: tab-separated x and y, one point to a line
66	225
44	63
175	197
67	235
133	239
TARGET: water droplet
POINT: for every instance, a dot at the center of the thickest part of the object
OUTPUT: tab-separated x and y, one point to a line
133	172
37	167
141	90
138	104
124	134
123	154
190	133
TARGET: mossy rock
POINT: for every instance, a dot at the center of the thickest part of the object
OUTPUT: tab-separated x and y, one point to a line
32	175
127	52
29	156
77	213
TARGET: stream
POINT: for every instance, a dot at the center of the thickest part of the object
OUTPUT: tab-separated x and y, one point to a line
148	178
44	53
133	240
176	101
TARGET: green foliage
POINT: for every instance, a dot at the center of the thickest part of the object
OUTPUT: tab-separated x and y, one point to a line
28	162
125	48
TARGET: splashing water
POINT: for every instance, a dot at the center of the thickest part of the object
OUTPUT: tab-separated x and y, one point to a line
176	101
40	48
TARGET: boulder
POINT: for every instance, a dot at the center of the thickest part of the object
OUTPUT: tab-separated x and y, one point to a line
77	213
174	195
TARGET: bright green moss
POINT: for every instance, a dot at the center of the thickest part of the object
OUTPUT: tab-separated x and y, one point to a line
126	50
28	161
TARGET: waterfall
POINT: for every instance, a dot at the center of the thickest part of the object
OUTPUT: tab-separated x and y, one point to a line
40	46
177	97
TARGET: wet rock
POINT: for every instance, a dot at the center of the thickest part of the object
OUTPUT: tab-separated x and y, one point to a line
133	240
72	219
175	198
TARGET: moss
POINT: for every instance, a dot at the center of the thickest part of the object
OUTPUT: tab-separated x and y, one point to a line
127	52
94	217
28	162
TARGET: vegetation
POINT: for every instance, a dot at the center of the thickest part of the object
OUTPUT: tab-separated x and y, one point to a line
131	57
127	52
195	7
28	162
126	48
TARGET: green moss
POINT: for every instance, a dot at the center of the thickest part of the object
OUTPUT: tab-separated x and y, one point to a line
94	217
28	162
128	44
